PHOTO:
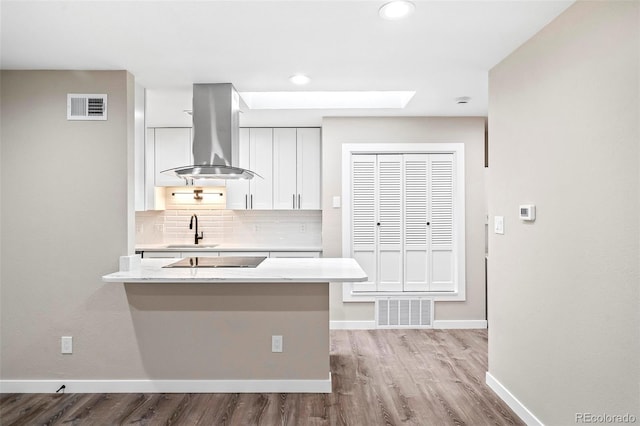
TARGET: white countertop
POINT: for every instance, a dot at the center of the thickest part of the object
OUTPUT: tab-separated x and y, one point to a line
224	247
271	270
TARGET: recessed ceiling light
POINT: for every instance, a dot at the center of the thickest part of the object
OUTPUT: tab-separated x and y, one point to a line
299	79
397	9
327	100
463	100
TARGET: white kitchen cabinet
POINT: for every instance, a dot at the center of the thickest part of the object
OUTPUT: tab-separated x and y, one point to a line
296	168
146	196
139	150
178	255
296	254
209	253
172	149
162	254
255	154
154	197
243	253
238	189
200	254
261	162
308	168
284	169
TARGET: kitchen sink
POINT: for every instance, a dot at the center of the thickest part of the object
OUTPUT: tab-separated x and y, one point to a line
192	246
218	262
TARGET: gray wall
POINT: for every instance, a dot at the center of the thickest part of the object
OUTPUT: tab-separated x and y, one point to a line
564	322
66	226
468	130
65	222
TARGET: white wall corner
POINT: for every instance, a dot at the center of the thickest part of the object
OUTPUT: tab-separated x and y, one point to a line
460	324
518	407
130	262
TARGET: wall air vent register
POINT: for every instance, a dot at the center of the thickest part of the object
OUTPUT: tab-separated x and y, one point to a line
86	107
404	312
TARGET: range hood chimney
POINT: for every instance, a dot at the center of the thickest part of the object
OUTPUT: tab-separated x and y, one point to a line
216	108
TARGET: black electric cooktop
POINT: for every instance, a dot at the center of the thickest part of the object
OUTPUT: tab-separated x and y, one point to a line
218	262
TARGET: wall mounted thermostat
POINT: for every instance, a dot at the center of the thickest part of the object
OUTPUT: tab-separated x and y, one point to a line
528	212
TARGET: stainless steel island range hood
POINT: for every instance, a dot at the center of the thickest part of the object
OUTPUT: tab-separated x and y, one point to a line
216	108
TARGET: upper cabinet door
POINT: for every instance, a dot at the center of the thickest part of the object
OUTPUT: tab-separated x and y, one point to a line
261	162
238	189
308	168
288	162
285	193
172	149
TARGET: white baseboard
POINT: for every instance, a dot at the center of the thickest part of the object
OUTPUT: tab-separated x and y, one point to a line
513	402
167	386
352	325
460	324
443	324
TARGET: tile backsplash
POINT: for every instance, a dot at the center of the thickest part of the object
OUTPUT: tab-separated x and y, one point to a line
273	227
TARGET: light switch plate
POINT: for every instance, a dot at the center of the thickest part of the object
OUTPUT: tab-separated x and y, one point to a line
276	343
498	224
66	345
336	202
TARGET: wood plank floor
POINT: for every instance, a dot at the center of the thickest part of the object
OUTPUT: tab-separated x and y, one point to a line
380	377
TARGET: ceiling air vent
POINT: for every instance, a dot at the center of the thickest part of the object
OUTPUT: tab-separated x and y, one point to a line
86	107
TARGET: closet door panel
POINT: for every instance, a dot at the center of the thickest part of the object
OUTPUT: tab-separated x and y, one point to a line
416	217
390	222
441	191
363	218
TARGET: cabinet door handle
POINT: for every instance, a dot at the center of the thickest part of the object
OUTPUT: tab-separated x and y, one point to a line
251	201
246	204
294	200
298	201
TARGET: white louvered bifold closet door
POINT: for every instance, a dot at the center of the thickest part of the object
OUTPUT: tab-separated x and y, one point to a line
403	221
363	218
441	191
416	217
390	222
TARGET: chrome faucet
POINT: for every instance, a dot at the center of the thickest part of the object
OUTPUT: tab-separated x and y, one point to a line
197	237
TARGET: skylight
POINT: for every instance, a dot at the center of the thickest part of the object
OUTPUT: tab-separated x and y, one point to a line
327	100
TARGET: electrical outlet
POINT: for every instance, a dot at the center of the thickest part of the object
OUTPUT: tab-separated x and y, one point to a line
159	227
256	228
276	343
303	227
139	227
66	345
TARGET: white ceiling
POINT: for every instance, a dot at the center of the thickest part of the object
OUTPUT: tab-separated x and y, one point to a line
443	51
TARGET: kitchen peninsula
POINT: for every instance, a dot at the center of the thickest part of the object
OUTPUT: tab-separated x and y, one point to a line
262	329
